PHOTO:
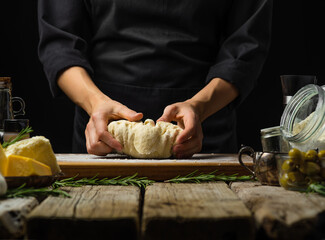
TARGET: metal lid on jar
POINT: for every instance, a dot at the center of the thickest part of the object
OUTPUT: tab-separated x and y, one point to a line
5	82
271	131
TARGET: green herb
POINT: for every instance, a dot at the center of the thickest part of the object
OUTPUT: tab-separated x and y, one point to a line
316	188
23	191
22	134
207	177
131	180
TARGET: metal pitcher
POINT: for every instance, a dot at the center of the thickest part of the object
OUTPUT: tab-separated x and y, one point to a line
264	165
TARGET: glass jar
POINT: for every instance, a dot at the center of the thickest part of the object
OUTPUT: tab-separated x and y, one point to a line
6	102
303	120
272	140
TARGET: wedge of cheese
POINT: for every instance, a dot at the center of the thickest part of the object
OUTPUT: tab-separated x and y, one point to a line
38	148
19	166
3	161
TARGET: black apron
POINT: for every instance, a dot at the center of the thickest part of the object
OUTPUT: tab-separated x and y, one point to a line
147	55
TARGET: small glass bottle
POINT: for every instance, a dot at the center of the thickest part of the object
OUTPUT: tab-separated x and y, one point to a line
6	100
272	140
5	103
303	120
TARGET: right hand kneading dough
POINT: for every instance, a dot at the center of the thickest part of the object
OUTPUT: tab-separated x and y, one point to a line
145	140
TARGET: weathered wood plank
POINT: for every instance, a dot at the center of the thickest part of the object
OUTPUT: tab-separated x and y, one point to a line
13	214
194	211
93	212
282	214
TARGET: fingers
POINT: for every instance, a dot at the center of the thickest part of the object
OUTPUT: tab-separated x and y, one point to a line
190	128
188	148
94	146
189	141
98	139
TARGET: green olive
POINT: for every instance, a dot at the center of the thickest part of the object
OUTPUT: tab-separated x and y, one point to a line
296	155
309	168
321	154
284	181
288	165
311	155
296	177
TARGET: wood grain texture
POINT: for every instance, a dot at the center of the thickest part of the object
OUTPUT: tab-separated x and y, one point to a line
93	212
194	211
112	165
13	214
283	214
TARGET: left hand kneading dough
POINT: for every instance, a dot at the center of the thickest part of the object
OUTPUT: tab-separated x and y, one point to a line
145	140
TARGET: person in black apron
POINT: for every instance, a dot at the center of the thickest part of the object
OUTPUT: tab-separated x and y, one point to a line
188	61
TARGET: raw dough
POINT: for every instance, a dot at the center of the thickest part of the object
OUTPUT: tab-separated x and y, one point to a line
145	140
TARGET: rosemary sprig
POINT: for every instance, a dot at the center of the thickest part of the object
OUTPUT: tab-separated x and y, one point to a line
207	177
316	188
133	180
130	180
55	190
20	136
23	191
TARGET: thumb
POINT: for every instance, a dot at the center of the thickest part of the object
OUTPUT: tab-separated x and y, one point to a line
130	115
169	114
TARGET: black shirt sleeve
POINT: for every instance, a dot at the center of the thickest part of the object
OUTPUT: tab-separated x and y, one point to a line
64	29
245	46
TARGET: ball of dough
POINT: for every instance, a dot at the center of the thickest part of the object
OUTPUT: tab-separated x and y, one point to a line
145	140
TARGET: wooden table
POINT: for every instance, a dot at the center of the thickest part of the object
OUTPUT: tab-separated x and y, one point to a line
218	210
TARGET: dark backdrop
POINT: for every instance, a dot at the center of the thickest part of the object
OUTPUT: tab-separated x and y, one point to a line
297	47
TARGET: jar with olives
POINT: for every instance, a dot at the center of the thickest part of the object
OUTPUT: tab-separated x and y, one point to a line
298	169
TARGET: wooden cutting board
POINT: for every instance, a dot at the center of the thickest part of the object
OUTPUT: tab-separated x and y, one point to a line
113	165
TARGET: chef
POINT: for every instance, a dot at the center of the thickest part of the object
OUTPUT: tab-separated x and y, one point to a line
186	61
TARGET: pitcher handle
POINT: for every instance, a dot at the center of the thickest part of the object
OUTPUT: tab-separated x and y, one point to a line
21	111
250	152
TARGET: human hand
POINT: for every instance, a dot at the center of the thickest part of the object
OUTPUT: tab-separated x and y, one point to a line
98	140
189	141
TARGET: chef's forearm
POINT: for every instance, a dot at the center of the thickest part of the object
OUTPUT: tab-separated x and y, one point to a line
78	86
213	97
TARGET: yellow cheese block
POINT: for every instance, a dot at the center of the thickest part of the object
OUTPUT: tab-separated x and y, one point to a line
38	148
3	161
19	166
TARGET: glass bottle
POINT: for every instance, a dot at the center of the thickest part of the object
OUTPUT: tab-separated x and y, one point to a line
6	100
272	140
303	120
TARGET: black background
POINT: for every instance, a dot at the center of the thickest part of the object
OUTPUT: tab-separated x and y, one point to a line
297	48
